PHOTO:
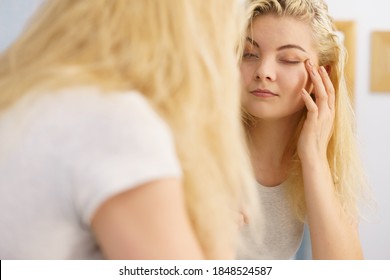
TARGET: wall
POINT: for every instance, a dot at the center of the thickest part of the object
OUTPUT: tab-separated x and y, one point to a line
373	109
13	17
373	116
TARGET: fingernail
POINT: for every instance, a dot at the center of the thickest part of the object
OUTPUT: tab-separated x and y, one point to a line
310	62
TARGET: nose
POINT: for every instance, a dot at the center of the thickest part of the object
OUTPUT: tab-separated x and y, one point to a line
265	71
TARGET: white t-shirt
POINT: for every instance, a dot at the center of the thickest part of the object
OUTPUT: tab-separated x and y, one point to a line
62	154
281	233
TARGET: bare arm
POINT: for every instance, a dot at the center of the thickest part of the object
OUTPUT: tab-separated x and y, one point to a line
147	222
333	234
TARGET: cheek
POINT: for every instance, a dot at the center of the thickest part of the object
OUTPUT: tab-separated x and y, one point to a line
246	74
299	79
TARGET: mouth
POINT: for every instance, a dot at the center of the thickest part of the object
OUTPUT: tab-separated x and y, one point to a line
263	93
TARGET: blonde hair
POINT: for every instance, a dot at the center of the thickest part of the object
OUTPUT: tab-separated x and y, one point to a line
181	55
349	180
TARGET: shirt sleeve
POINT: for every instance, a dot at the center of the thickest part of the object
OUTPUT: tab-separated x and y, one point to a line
118	142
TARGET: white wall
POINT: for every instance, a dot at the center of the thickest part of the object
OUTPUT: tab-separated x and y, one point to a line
373	116
13	17
373	109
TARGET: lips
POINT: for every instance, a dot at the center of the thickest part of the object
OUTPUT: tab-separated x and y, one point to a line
263	93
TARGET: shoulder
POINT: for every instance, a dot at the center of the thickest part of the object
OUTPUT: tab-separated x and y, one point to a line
91	114
91	104
104	142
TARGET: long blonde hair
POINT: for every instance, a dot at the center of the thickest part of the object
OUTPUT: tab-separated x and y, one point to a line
181	55
349	180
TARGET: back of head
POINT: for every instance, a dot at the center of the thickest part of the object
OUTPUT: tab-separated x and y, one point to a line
181	55
86	41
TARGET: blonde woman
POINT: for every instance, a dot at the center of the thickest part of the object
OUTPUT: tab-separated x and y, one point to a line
300	129
119	132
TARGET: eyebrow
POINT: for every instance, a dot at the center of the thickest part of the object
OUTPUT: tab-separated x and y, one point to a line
291	46
288	46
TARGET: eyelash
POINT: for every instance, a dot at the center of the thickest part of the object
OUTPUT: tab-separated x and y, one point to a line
290	61
250	55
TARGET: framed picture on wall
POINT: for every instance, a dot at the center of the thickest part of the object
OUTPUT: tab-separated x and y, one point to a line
347	30
380	61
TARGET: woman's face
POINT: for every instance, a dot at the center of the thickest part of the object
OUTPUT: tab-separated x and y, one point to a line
273	66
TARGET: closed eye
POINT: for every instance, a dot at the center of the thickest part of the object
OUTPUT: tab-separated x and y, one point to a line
290	61
248	55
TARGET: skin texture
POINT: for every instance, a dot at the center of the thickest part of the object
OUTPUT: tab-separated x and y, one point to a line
272	57
280	57
147	222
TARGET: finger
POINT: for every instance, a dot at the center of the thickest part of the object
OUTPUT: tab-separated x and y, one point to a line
328	87
319	88
312	109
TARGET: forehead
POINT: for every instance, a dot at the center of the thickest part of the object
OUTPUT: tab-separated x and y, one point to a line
271	31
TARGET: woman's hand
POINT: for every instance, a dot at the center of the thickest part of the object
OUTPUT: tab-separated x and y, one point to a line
318	127
333	235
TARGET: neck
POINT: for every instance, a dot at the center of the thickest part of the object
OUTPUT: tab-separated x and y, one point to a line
270	148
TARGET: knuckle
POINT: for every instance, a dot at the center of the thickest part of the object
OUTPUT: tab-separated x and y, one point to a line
313	110
322	95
